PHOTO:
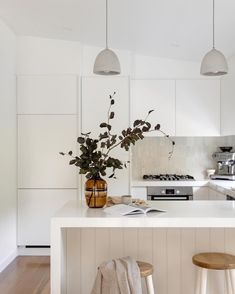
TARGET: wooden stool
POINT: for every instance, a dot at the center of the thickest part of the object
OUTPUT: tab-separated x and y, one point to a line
146	271
214	261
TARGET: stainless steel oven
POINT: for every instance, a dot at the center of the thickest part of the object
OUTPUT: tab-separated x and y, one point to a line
164	193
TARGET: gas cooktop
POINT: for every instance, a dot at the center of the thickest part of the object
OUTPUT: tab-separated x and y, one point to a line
168	177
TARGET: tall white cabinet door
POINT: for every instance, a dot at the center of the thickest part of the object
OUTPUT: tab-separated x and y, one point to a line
227	105
198	108
35	209
158	95
95	105
40	139
47	94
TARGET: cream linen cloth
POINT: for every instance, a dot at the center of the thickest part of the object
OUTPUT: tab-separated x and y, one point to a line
118	276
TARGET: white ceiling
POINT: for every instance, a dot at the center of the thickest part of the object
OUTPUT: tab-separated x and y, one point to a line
169	28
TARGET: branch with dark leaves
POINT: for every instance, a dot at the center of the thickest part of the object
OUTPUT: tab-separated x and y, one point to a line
95	158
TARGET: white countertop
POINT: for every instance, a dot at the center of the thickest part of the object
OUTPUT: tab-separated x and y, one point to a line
148	183
178	214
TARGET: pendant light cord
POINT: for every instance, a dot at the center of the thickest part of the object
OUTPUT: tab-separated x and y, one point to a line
213	24
106	24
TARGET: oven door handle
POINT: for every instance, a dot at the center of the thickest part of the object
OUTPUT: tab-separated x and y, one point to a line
156	198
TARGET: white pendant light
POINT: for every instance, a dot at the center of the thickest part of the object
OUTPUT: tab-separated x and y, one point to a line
106	62
214	62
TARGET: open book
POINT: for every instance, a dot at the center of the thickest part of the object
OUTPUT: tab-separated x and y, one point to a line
131	209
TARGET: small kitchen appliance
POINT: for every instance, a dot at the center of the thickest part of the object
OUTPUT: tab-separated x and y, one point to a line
225	166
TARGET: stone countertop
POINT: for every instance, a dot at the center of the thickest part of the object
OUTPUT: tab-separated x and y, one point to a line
194	214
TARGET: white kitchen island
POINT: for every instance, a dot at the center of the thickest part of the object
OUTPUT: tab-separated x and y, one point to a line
82	238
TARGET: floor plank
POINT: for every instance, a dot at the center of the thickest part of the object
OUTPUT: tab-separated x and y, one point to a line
26	275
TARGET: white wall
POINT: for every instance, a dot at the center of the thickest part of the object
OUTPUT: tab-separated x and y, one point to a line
8	146
228	100
192	155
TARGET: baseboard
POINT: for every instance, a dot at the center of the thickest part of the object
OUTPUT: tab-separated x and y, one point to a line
8	260
22	250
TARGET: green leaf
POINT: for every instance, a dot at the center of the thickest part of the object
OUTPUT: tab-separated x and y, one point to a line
73	161
150	111
111	116
112	101
62	153
157	127
136	123
80	140
103	125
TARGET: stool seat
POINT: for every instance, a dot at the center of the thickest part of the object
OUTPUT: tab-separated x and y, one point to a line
146	269
214	260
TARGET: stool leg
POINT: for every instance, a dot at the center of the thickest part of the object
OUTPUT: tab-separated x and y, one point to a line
149	284
232	280
201	281
228	282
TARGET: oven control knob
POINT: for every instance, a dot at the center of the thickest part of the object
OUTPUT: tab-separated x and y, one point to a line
163	192
177	191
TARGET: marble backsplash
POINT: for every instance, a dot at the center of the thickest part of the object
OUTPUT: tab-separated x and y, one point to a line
192	155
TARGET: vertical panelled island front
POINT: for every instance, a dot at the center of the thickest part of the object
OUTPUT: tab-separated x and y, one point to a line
82	238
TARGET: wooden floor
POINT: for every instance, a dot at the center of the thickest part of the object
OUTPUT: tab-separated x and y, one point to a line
26	275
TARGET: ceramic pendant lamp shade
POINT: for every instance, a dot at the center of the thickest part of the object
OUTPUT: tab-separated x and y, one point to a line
214	62
106	62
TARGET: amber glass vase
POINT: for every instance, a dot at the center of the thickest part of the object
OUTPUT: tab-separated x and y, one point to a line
96	192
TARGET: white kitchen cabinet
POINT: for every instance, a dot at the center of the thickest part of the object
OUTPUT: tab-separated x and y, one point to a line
35	209
216	195
200	193
47	94
221	196
158	95
139	192
198	108
228	105
95	105
40	139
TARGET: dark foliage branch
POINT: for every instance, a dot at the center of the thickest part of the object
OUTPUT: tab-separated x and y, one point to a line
94	156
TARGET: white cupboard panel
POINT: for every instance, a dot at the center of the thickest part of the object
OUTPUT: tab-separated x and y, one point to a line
88	264
227	105
174	260
47	94
139	192
95	105
198	108
200	193
216	195
158	95
40	139
35	209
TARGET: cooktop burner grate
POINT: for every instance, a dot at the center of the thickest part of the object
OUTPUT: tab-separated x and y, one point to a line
168	177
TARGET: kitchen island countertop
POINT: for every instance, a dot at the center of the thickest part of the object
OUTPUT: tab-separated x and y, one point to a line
178	214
